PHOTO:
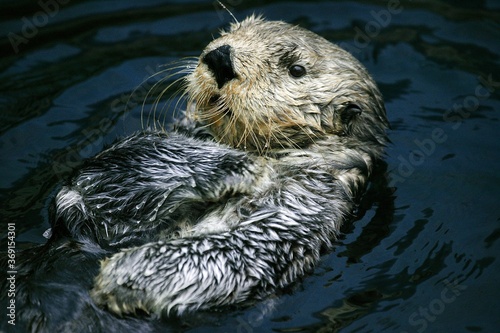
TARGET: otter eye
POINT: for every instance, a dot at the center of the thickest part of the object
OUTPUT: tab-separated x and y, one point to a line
297	71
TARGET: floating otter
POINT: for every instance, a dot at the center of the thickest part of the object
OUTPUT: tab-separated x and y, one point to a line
236	202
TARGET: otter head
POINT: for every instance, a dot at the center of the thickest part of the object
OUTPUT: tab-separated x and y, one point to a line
266	85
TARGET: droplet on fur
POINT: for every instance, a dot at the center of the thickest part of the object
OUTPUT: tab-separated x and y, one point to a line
150	271
47	233
120	280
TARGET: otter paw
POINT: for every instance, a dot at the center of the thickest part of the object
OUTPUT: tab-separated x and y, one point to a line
115	290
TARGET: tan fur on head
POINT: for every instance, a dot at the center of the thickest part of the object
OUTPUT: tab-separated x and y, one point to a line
266	108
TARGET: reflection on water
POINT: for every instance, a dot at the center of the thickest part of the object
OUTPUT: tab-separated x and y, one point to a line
422	255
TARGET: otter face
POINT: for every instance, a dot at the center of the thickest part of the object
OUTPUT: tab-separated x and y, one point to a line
267	85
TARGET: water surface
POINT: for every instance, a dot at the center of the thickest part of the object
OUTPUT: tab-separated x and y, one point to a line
422	257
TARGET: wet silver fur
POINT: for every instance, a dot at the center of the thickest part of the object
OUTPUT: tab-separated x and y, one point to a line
199	222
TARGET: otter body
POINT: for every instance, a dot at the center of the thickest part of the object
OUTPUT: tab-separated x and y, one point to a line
238	200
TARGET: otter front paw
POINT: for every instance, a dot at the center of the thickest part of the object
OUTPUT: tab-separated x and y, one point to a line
115	289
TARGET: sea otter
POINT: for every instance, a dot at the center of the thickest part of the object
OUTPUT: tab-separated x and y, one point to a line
237	201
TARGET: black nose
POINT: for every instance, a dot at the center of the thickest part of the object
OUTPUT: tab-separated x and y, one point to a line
219	62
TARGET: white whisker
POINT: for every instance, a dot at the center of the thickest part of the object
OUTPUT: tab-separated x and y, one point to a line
180	68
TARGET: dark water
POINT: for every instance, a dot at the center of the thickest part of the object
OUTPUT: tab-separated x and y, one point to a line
423	255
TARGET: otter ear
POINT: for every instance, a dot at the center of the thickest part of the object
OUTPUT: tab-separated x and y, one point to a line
350	111
342	117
